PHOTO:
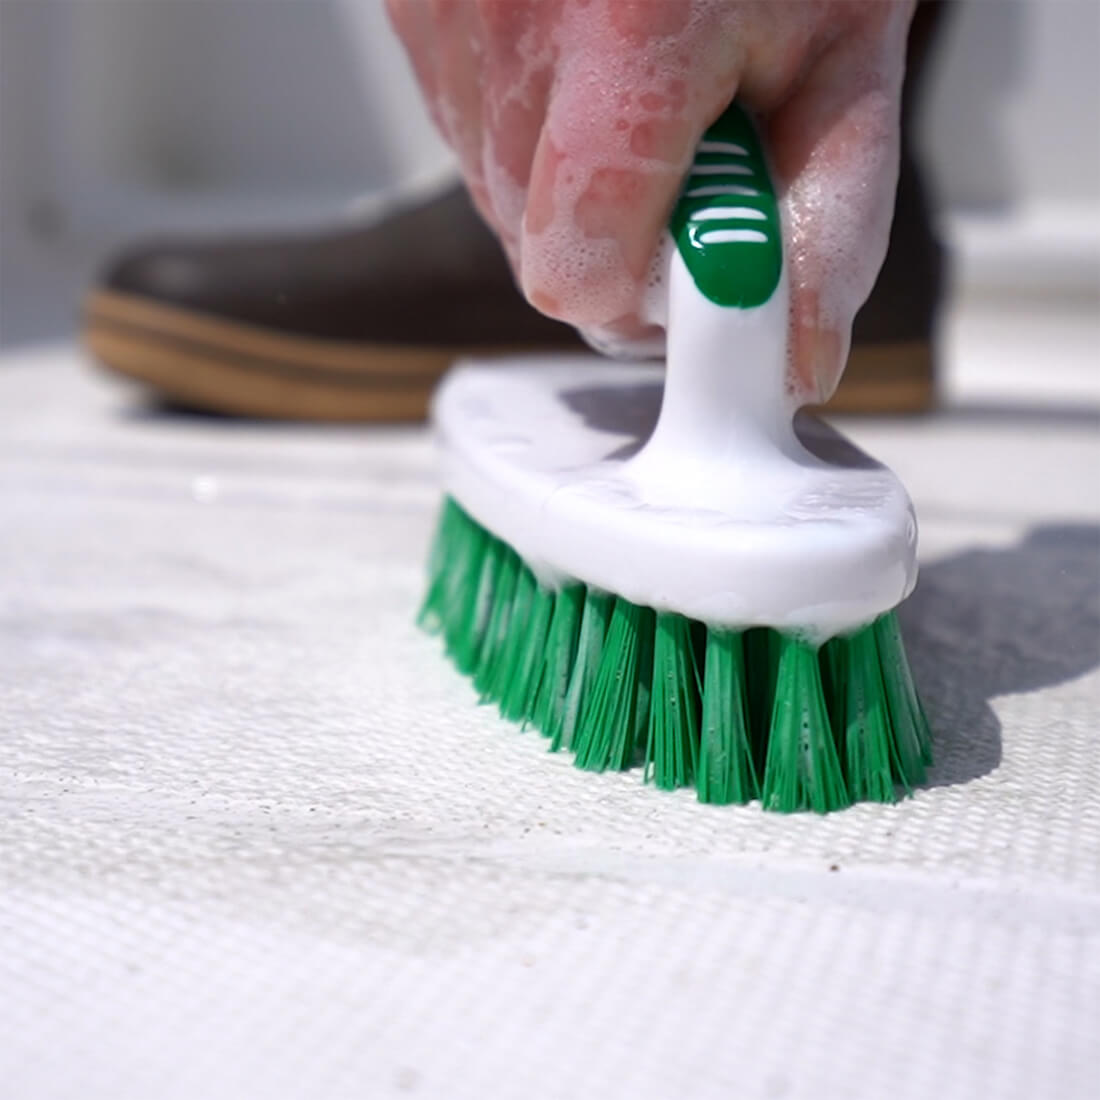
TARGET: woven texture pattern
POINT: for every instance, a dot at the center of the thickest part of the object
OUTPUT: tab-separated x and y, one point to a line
259	840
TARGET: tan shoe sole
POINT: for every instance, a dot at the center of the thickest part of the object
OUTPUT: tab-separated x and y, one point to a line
226	367
222	366
888	378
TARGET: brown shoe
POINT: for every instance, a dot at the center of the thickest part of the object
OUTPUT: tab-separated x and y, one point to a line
344	325
358	324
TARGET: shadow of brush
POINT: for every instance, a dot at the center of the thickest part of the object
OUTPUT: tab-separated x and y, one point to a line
991	622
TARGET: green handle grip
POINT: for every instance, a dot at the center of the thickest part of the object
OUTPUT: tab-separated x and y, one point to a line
726	220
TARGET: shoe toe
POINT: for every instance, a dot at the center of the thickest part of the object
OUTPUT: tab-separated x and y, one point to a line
164	271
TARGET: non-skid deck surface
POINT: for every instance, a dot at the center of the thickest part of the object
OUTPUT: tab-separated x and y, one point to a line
258	840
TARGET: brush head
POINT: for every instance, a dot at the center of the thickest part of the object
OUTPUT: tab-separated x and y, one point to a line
549	455
739	715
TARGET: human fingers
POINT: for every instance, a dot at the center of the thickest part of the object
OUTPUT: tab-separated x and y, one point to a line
834	143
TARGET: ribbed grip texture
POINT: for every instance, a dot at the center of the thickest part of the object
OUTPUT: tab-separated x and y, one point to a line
726	221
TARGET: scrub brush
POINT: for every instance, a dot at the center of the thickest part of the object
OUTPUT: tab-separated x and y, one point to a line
707	592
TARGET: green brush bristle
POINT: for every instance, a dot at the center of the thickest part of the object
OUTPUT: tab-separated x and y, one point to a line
741	715
762	650
801	771
590	641
673	746
558	657
520	692
456	562
727	772
615	709
912	739
494	650
860	718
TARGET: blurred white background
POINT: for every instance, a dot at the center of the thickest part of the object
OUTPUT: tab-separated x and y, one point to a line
118	117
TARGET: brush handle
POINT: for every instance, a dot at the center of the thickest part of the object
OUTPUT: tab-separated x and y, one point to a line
726	221
726	406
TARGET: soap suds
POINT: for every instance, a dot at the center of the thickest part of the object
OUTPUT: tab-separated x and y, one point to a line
575	121
836	207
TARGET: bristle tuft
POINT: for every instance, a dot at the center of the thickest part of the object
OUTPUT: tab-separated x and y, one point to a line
802	771
672	749
727	772
618	702
558	658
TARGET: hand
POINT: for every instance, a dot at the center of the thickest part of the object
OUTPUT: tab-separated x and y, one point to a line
575	121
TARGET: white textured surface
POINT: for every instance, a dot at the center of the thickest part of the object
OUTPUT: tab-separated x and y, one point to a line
257	840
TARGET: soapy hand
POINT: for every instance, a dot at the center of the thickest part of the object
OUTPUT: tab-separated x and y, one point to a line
575	121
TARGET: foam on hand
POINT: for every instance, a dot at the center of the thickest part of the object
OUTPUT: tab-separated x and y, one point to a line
619	135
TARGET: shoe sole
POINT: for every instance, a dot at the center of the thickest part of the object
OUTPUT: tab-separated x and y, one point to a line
892	378
226	367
